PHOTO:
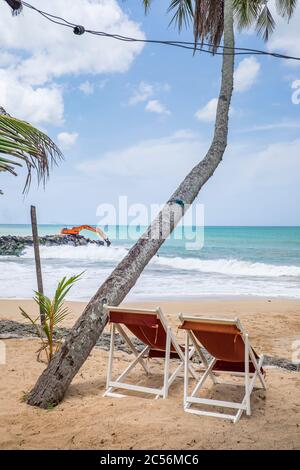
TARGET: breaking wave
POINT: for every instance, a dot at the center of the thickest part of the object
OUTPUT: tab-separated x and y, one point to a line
229	267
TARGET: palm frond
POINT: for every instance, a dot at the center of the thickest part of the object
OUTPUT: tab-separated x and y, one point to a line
209	22
62	290
207	17
147	4
246	12
44	304
265	24
32	321
257	12
286	8
183	12
29	146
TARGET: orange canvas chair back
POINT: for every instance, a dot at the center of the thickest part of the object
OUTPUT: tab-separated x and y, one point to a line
147	327
223	341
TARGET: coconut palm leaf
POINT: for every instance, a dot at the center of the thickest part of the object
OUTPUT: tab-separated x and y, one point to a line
258	13
29	146
265	24
246	12
286	8
147	4
183	12
61	291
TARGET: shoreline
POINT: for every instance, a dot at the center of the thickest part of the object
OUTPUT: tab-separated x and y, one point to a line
174	298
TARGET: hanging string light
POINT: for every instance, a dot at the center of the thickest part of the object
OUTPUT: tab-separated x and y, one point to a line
15	5
79	30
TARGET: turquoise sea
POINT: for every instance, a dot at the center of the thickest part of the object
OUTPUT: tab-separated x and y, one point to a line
233	261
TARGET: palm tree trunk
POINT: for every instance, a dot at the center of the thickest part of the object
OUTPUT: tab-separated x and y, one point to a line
54	381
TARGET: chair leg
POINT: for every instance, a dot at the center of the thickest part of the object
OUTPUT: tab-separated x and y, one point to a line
167	363
247	384
181	355
186	369
202	357
135	352
111	355
258	366
202	381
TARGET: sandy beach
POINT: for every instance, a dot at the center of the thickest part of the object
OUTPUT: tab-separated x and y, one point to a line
86	420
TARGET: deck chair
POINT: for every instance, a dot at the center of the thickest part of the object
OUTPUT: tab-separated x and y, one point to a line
228	345
151	328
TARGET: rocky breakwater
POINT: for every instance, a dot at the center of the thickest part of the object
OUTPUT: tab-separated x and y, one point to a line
15	245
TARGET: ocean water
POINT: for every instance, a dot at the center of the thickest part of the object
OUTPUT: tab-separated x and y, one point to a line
234	261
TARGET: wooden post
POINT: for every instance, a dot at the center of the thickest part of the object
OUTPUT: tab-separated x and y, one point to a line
37	256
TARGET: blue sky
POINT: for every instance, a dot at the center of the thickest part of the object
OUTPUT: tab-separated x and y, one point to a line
133	120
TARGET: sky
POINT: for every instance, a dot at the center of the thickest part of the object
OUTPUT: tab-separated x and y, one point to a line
133	119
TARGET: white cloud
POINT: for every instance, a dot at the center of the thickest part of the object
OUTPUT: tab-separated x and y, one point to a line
246	74
155	106
7	59
47	52
269	169
146	90
141	93
148	158
56	51
34	104
87	88
274	125
286	37
208	112
67	139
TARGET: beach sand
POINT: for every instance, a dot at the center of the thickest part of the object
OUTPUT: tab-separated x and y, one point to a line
86	420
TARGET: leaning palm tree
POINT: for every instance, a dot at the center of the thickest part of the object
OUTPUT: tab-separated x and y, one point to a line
211	20
22	144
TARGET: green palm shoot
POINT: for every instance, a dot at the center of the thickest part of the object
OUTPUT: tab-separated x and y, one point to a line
55	311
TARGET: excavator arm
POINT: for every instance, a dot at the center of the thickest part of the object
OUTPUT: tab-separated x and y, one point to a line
77	229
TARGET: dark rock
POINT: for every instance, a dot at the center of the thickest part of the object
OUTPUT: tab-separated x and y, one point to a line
15	246
11	329
281	362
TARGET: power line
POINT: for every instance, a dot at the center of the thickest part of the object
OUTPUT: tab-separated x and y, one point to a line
200	47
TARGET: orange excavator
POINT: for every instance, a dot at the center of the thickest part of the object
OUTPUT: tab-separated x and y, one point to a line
76	230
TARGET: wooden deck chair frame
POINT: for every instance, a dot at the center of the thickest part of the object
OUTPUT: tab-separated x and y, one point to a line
249	378
168	378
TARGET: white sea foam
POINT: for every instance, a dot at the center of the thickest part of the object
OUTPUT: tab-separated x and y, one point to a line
89	253
226	267
231	267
